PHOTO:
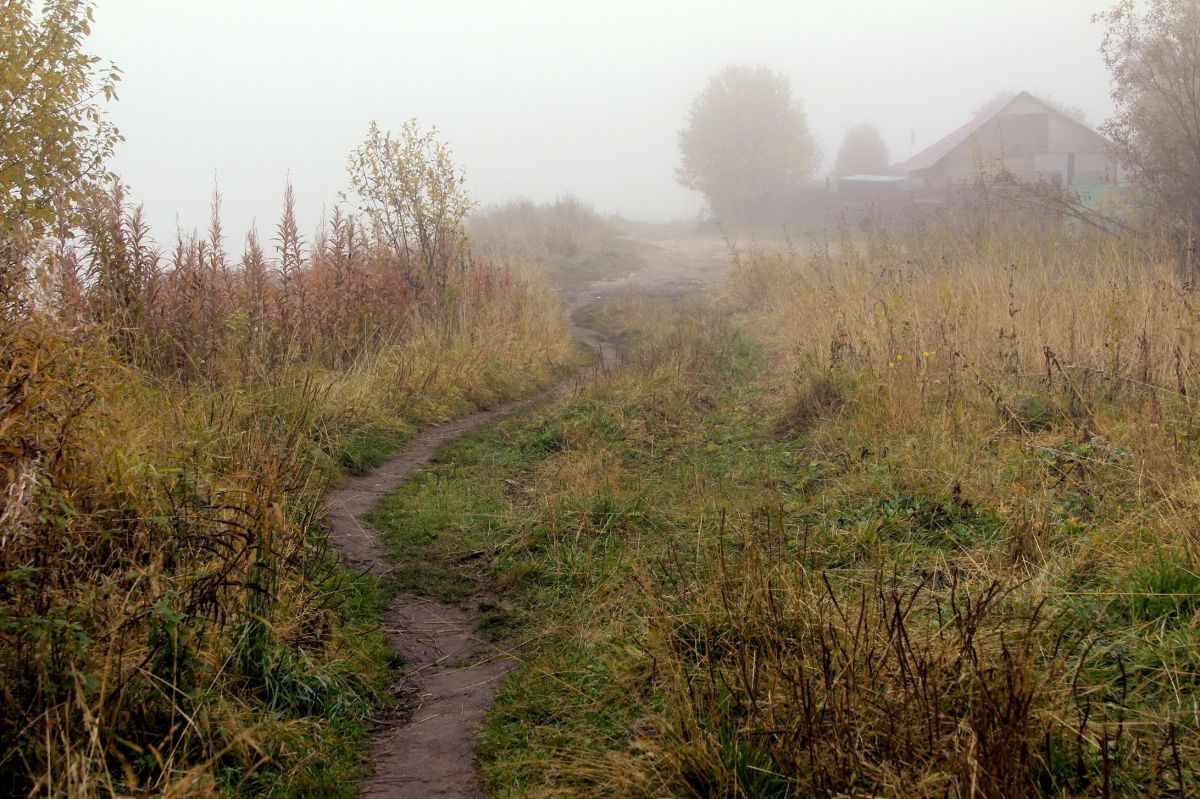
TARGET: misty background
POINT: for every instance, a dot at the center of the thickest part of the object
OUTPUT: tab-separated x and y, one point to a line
539	98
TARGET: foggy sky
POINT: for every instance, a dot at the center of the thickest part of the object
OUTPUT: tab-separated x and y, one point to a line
539	98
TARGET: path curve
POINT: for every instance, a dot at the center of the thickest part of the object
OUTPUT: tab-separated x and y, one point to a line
452	674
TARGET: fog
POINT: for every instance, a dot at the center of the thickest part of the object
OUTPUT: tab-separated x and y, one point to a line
541	98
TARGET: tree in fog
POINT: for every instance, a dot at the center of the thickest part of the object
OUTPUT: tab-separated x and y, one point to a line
862	153
1152	49
746	142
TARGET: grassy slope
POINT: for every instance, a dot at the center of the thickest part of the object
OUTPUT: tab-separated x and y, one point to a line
630	527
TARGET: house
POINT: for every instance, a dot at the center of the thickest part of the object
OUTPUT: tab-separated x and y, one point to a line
1024	137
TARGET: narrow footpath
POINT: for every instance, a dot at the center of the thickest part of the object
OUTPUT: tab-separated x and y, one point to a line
451	673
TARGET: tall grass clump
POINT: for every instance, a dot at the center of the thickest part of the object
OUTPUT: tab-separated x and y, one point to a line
171	618
781	679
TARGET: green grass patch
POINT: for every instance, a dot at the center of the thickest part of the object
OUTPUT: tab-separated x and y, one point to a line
326	707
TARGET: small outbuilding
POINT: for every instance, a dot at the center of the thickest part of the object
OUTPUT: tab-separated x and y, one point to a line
870	187
1024	137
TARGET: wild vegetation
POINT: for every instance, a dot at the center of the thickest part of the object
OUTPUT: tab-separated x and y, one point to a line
893	514
892	517
172	620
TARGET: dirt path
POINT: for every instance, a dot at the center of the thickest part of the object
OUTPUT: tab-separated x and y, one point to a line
452	673
672	265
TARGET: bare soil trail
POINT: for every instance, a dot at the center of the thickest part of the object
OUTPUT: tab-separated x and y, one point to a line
451	672
673	264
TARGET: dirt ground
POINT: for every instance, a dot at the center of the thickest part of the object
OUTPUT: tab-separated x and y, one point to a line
672	265
451	672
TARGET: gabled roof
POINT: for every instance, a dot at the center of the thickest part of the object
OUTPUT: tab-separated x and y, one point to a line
934	153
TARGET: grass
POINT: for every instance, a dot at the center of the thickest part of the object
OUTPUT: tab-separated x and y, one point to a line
899	517
332	748
555	531
897	520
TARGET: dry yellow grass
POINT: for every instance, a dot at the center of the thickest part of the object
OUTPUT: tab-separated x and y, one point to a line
1023	398
941	344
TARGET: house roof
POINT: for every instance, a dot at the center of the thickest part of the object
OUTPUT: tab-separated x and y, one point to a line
935	152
